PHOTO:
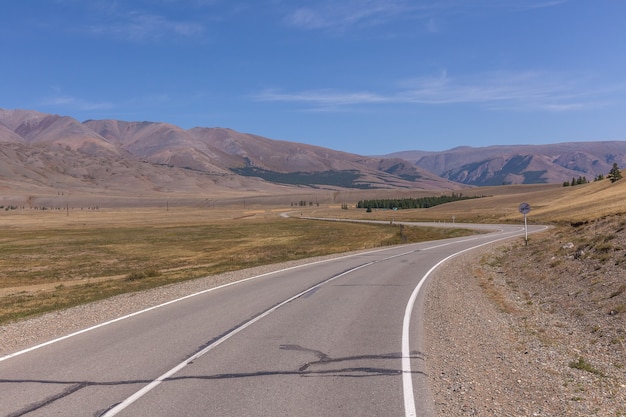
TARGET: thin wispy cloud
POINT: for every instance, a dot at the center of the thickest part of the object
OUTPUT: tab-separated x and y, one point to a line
147	21
331	14
497	90
75	103
142	27
323	98
540	4
365	13
127	107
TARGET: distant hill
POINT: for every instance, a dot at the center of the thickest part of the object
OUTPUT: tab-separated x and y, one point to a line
522	164
43	152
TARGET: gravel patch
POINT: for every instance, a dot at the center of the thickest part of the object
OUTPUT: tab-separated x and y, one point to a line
499	343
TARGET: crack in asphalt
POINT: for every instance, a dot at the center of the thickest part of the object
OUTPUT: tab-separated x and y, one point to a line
305	370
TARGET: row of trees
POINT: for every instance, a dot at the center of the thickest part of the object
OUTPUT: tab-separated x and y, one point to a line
303	203
579	181
614	175
411	203
44	208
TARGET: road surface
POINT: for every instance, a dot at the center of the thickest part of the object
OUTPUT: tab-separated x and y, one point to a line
339	337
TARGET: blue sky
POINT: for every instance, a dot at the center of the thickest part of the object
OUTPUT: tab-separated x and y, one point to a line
368	77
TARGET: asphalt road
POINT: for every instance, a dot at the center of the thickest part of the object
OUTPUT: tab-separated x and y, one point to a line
333	338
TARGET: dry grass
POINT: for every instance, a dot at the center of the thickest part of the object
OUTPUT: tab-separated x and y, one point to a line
55	259
551	203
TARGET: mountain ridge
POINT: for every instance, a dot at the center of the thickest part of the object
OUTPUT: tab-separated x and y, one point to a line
52	152
42	152
521	164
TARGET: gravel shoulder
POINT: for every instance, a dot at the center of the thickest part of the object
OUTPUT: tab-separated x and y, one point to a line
528	331
476	362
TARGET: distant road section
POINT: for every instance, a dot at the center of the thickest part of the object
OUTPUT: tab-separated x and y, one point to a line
339	337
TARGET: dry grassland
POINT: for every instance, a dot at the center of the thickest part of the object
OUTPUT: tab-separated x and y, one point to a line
53	259
563	295
551	204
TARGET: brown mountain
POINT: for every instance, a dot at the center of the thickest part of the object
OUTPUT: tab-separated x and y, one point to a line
43	153
225	151
160	143
51	155
522	164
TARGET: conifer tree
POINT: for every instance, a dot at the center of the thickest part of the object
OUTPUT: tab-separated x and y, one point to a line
614	173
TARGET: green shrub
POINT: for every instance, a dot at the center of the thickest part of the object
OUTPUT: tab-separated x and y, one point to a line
584	366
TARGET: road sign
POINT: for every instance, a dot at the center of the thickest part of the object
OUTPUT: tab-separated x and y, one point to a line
524	208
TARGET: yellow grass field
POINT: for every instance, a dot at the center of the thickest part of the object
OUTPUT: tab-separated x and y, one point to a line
551	203
51	259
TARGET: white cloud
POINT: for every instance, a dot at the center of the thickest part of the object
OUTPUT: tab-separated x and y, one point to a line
530	90
325	97
540	4
140	27
75	103
330	14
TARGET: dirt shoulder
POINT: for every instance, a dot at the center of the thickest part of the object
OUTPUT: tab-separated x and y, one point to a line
537	330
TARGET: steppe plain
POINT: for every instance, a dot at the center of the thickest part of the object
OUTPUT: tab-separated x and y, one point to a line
513	330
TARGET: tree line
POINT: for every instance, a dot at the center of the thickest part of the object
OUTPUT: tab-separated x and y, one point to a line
614	175
412	203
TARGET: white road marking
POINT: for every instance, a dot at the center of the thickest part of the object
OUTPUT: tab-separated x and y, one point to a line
136	313
409	400
136	396
139	394
407	377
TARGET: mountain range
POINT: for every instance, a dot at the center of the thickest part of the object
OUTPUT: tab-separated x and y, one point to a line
521	164
44	153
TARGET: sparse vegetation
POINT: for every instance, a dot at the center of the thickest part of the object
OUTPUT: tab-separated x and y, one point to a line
50	268
575	181
619	291
148	273
583	365
564	295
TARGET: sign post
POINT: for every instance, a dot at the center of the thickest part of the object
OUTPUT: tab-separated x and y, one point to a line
524	208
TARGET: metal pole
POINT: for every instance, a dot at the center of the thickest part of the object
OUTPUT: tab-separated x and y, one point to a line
526	229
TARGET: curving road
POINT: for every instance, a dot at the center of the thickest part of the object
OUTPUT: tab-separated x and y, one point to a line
339	337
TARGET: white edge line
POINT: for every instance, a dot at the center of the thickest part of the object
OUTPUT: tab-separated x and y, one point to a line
407	378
